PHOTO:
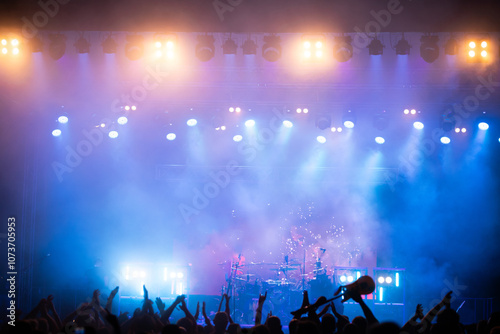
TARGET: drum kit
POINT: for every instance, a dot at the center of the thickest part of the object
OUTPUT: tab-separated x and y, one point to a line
284	282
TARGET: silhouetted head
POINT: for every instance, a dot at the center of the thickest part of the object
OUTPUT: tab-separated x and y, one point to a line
232	329
220	321
171	329
260	329
328	324
274	325
361	323
292	326
350	329
186	323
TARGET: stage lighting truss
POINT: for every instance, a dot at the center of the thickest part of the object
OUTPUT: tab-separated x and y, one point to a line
346	275
313	47
249	47
271	50
478	48
160	280
165	45
205	49
429	49
375	48
109	45
342	49
390	285
229	47
82	45
57	46
403	47
134	48
10	45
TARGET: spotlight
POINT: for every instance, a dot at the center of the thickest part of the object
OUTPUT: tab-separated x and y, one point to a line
418	125
109	45
429	50
451	47
82	45
271	50
403	47
249	123
287	124
483	126
350	278
56	133
477	50
165	44
381	280
321	139
238	138
464	130
171	136
388	280
413	111
342	51
406	111
339	129
113	134
379	140
62	119
134	49
191	122
313	46
249	47
122	120
229	47
205	49
305	110
445	140
343	278
349	119
323	122
57	47
375	48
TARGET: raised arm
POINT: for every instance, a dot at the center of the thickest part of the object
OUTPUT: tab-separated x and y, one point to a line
109	302
51	308
258	311
370	318
168	312
228	311
412	322
426	321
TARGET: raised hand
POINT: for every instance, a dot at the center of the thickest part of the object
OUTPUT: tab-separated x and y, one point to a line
262	298
447	299
419	312
113	293
146	295
161	305
95	298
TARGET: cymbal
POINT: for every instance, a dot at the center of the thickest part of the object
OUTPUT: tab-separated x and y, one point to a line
283	269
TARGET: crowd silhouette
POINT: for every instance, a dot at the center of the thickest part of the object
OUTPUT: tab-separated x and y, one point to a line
96	317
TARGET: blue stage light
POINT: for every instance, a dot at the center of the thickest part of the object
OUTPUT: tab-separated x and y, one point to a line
62	119
192	122
171	136
418	125
287	124
122	120
445	140
379	140
349	124
238	138
321	139
113	134
56	133
249	123
483	126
